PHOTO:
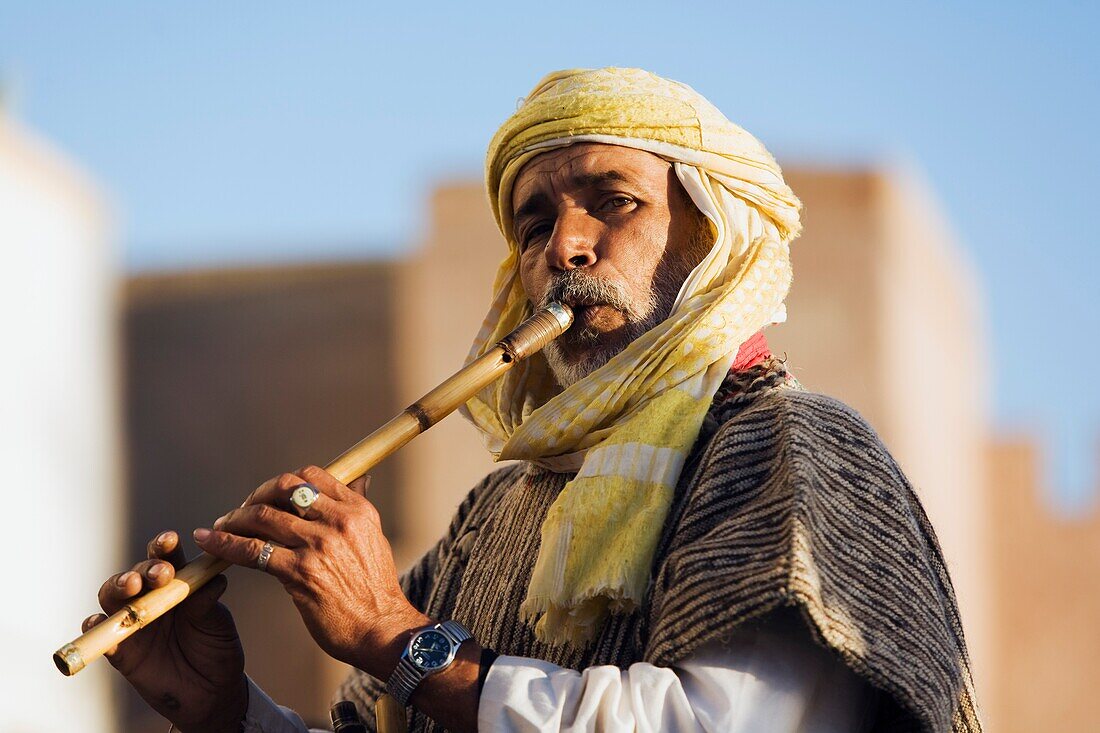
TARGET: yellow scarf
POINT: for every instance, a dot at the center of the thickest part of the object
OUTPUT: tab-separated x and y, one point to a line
627	427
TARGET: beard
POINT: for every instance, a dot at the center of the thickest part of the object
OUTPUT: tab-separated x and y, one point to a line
582	349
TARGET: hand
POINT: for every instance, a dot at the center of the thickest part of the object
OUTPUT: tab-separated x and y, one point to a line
188	664
335	563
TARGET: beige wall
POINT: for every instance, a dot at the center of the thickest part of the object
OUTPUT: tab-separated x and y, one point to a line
935	378
445	289
1047	575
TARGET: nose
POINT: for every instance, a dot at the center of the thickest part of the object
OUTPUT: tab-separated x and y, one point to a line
572	243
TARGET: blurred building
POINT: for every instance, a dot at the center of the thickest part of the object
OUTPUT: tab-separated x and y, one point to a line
233	377
236	375
59	431
1047	573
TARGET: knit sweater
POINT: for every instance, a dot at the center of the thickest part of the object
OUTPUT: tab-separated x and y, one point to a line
789	498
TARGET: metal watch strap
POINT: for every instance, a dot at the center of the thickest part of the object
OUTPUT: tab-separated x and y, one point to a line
456	631
404	681
407	676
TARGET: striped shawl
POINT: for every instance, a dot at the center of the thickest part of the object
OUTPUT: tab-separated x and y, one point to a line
789	499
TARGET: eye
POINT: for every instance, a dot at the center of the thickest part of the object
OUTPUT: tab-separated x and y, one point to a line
618	201
534	232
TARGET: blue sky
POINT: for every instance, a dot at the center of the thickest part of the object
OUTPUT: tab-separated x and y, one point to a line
251	131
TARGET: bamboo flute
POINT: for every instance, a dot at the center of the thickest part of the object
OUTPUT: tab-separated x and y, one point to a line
529	337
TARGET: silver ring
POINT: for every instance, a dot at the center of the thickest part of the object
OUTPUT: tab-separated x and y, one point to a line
302	498
265	556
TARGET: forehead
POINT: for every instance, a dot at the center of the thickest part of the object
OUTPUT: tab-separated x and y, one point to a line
582	163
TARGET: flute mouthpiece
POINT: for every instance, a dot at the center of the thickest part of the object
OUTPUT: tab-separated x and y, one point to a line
562	312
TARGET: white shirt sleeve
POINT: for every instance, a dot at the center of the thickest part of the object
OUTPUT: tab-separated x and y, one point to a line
264	716
768	678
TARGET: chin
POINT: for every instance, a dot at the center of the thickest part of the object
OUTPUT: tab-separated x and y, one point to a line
586	347
568	369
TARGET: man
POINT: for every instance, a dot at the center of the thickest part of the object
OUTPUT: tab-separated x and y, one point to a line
688	541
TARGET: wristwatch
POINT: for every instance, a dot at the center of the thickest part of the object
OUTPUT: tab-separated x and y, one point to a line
431	649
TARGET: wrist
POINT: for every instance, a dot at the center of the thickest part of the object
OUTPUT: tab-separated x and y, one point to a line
229	716
379	655
431	652
450	696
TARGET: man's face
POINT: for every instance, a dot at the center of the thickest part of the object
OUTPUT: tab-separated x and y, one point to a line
610	231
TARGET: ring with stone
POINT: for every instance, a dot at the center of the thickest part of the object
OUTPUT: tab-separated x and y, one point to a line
265	556
302	498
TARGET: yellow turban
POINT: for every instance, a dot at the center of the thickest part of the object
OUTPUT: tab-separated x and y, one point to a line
626	429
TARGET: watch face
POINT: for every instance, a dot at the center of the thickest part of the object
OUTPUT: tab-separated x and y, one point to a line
430	650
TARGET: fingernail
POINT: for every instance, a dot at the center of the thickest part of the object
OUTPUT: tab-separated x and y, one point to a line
201	534
220	521
156	571
163	537
121	580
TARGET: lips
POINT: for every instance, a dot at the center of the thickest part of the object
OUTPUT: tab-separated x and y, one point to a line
580	310
597	317
582	304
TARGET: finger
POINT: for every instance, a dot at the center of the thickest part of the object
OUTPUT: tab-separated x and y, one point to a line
265	522
276	491
94	620
266	492
118	589
167	546
245	551
325	482
154	573
361	485
143	576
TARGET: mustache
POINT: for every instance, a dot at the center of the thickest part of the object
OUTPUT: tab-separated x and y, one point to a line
576	287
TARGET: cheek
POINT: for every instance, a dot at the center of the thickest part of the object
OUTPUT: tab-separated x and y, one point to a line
641	249
532	276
